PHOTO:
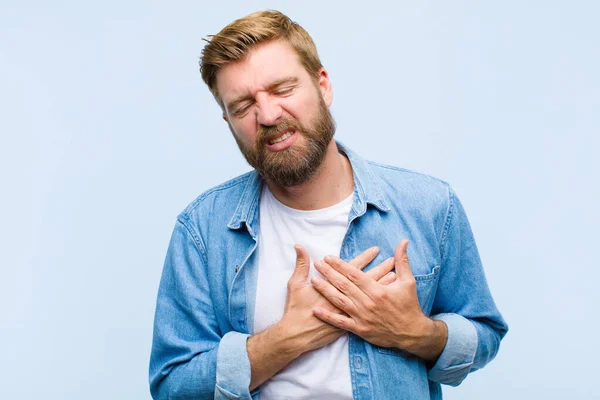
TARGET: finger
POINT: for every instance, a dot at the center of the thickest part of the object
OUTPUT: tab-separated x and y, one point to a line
364	258
340	282
382	269
302	269
390	277
341	272
401	261
337	320
334	296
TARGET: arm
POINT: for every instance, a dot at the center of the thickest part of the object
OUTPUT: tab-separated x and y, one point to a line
190	358
464	302
463	334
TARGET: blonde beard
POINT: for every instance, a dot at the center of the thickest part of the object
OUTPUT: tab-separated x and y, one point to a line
298	163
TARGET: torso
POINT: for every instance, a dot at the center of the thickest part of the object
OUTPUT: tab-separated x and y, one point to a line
323	373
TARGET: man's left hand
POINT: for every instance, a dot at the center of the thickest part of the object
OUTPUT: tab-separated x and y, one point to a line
387	315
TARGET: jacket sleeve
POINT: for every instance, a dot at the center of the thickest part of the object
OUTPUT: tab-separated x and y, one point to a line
190	357
464	302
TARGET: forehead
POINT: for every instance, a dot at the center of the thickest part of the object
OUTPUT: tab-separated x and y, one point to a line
264	64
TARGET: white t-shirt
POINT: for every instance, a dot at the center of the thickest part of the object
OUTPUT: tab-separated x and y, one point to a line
322	373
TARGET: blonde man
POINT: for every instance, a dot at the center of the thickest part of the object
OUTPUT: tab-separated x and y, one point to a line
242	312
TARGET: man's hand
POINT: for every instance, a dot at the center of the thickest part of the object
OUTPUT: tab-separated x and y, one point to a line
385	315
299	330
298	318
303	329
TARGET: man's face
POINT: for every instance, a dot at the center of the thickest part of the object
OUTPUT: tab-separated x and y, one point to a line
278	114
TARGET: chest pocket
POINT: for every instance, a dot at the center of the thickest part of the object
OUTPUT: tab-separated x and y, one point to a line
426	287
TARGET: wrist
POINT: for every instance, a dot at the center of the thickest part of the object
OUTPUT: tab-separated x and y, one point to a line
430	339
269	351
285	340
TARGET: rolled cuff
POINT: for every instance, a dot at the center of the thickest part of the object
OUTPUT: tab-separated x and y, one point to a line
456	360
233	367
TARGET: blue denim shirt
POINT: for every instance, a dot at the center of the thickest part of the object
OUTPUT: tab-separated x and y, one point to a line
205	305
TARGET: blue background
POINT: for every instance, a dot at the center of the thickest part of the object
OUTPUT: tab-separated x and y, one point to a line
107	133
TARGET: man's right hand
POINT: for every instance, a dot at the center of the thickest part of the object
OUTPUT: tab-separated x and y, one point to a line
305	330
299	330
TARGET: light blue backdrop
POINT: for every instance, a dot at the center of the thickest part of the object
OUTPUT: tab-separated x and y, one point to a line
108	133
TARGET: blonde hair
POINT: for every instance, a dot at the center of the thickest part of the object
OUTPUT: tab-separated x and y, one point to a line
234	42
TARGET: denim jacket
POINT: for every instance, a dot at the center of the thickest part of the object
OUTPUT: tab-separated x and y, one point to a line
205	305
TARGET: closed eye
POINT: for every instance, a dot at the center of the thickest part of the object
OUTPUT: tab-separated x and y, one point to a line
283	91
239	112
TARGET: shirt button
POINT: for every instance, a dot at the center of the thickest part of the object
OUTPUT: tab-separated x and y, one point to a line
357	362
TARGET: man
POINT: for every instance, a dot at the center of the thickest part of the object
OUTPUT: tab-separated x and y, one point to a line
243	313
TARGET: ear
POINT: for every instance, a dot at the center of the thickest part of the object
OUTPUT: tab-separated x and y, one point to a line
228	123
325	86
225	116
222	106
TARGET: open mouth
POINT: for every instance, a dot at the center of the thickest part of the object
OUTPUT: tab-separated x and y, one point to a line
281	138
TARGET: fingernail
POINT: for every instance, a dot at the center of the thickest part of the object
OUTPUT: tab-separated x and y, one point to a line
375	249
328	259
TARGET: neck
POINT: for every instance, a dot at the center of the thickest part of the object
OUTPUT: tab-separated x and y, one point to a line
332	183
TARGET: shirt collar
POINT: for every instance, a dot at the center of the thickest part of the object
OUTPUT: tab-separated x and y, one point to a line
367	186
367	190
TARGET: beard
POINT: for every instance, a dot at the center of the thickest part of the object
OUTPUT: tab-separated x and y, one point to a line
301	161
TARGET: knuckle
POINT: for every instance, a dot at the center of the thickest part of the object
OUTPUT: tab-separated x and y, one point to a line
339	302
361	330
292	285
353	275
378	295
370	306
410	286
343	286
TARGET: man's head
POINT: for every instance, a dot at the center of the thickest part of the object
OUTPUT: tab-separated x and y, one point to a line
235	41
265	73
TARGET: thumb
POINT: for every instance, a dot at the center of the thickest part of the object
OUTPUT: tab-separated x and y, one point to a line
401	260
302	264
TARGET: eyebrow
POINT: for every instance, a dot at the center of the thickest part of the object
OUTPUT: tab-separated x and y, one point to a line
280	82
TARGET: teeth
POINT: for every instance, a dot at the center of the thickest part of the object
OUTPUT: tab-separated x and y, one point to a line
281	139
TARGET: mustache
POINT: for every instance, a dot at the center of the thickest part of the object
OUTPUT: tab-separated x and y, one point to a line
264	132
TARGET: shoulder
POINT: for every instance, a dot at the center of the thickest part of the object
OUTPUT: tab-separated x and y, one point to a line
417	199
411	187
217	201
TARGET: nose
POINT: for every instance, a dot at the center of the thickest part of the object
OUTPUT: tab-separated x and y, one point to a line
268	111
